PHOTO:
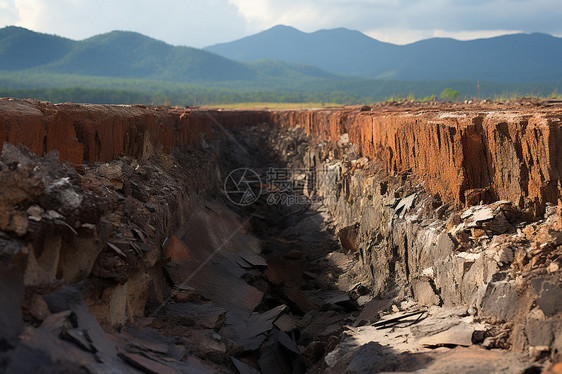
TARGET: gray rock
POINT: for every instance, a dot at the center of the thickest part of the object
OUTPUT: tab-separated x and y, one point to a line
372	358
476	275
539	332
243	368
500	301
424	293
460	334
474	216
13	260
405	205
498	225
549	294
205	315
445	246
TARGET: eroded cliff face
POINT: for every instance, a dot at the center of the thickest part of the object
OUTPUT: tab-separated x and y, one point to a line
463	155
450	208
102	133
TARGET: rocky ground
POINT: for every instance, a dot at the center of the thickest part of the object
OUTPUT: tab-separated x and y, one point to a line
146	265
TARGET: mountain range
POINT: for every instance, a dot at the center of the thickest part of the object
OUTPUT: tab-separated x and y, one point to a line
279	64
128	54
513	58
285	52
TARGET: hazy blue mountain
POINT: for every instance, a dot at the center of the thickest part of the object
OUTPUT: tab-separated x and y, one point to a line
22	49
131	55
339	50
280	69
510	58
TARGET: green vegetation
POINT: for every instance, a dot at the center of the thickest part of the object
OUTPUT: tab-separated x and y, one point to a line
399	97
428	99
555	95
274	105
105	90
206	96
533	94
449	94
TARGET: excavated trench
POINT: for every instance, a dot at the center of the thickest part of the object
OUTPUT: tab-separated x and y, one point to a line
352	240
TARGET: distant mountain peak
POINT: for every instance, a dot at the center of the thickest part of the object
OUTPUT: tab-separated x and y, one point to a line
283	28
21	31
22	48
14	28
121	34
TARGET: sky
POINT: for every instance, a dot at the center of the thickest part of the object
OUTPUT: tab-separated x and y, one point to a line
200	23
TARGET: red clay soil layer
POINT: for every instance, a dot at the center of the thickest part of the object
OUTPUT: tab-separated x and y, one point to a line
100	133
464	153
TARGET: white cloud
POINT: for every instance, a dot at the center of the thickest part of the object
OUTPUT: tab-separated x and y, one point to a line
398	36
470	35
178	22
263	14
406	36
200	23
30	13
7	13
404	21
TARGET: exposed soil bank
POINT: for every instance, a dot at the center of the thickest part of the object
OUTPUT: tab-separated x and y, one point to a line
182	278
464	154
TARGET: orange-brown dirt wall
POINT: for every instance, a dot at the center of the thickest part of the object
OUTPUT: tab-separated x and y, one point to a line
463	154
84	132
509	154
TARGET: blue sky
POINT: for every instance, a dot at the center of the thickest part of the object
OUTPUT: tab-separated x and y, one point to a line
201	23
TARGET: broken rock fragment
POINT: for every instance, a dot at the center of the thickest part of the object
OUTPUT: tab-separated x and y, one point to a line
460	334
